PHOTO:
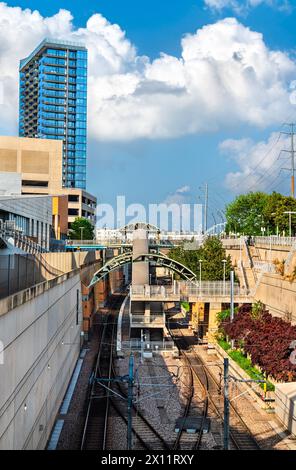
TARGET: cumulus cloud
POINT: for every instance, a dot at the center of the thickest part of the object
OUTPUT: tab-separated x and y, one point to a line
182	195
225	76
242	7
259	163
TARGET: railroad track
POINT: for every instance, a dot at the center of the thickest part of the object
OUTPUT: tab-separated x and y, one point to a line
100	402
192	409
240	434
146	437
97	416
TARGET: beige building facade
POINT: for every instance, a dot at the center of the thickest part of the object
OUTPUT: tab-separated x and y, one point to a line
40	164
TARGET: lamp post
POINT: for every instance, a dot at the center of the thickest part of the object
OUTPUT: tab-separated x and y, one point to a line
224	261
200	262
290	221
81	237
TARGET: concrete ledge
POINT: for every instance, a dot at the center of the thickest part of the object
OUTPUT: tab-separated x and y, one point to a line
15	300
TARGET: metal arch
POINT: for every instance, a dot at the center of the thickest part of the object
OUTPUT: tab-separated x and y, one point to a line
212	229
140	225
126	258
173	265
111	265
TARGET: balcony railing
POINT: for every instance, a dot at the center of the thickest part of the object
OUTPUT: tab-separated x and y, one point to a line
136	319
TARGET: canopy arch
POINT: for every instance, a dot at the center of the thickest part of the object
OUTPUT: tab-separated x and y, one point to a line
158	259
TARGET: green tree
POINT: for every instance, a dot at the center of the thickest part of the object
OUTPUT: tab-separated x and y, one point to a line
81	229
245	214
211	253
251	212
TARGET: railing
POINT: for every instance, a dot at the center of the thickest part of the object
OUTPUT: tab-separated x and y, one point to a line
148	291
20	240
147	319
274	240
209	289
264	267
138	345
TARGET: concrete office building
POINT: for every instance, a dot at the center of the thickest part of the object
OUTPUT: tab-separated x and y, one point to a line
53	102
39	163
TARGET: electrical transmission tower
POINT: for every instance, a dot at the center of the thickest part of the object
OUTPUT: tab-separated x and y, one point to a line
292	127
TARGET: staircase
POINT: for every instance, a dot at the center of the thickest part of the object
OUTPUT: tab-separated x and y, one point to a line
12	238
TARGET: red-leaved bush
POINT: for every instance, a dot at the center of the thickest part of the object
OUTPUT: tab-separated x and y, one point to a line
266	339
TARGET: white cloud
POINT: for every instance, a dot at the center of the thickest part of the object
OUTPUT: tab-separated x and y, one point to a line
180	196
242	7
259	163
225	76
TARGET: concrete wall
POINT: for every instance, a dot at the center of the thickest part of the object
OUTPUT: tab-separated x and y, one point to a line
279	296
41	332
65	262
285	401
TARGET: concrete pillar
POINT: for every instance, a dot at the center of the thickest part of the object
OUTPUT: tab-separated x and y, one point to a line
140	271
198	315
215	307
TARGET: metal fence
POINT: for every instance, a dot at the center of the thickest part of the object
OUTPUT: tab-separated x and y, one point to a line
264	267
155	291
143	319
138	345
273	240
208	289
18	272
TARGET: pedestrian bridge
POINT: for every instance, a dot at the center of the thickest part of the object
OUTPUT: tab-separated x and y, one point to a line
190	291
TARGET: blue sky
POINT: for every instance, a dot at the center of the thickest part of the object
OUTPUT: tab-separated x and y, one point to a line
152	166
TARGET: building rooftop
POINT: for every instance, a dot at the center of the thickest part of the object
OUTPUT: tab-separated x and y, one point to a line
51	42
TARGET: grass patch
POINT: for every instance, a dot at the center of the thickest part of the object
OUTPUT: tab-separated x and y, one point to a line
186	306
245	364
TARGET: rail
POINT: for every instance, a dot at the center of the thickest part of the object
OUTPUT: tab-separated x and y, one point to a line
147	319
264	267
155	291
20	240
138	345
274	240
209	289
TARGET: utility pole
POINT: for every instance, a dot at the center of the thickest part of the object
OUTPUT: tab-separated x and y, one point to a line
232	300
292	153
206	207
130	402
226	403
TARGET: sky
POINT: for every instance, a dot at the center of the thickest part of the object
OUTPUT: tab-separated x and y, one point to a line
180	93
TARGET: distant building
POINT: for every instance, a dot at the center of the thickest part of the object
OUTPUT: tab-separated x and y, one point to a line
36	166
31	215
53	103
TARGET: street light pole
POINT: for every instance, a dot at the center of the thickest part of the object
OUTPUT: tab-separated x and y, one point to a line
81	237
224	261
290	221
200	261
232	300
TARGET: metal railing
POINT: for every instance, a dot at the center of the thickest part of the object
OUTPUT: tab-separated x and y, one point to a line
209	289
146	319
20	240
263	266
148	291
138	345
274	240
